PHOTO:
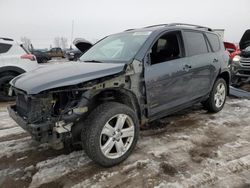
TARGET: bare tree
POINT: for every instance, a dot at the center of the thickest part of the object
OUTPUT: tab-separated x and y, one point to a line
26	43
64	43
57	42
61	42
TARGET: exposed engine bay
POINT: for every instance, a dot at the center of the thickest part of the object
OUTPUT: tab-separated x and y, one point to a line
49	117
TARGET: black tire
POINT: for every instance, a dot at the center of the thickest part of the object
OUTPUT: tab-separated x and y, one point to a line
93	127
44	60
209	104
5	78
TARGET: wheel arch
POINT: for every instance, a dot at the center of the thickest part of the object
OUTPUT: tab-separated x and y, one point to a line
15	70
226	76
120	95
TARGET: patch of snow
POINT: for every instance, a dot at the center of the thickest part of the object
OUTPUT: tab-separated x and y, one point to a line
8	171
210	175
181	145
236	144
11	131
51	169
6	121
8	148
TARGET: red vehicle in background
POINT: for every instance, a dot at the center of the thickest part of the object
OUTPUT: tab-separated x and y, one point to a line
232	49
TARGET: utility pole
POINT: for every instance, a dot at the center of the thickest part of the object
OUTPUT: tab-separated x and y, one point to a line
72	33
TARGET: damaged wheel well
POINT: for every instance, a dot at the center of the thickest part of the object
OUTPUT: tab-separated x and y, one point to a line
226	77
119	95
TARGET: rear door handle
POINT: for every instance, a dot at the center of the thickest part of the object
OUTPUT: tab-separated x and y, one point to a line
215	60
187	67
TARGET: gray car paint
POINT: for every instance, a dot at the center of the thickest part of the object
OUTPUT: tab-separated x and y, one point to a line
153	90
63	74
239	93
154	74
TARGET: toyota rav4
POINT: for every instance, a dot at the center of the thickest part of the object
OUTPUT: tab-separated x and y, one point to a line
122	82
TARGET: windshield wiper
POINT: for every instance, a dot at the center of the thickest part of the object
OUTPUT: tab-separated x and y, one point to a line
93	61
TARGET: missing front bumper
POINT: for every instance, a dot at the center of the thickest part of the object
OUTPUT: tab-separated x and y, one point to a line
42	132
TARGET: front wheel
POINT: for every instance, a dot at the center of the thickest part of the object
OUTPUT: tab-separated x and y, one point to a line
217	98
110	133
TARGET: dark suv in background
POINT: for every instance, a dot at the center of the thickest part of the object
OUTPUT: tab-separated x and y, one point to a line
240	66
123	81
41	56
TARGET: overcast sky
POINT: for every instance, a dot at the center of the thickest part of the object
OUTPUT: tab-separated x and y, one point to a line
43	20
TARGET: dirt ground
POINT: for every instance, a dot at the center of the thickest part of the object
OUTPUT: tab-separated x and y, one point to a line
189	149
246	87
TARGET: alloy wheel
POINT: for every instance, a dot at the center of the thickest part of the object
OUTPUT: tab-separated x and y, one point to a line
117	136
220	95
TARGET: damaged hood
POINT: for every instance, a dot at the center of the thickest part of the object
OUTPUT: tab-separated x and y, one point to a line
245	40
63	74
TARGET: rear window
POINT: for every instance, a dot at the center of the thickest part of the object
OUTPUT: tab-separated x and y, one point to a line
4	47
214	41
195	42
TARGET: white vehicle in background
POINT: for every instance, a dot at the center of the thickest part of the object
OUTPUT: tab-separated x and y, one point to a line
14	60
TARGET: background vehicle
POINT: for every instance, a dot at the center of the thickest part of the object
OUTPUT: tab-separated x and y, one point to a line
82	45
240	67
232	49
41	56
56	52
14	60
123	81
73	54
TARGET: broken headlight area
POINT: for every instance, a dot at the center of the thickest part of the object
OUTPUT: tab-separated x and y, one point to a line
69	106
49	117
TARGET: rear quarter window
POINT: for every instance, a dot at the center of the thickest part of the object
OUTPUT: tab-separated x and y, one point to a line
24	49
4	47
214	41
195	43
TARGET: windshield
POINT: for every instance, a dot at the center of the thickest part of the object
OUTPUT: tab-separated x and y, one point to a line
119	47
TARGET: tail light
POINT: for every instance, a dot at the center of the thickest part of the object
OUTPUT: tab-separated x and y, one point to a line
28	56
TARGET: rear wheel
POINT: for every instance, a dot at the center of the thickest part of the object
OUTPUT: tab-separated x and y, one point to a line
110	134
217	97
4	86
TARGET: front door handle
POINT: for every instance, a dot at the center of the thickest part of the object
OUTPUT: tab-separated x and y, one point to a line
215	60
187	67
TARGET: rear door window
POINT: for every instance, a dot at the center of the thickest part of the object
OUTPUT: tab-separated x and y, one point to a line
4	47
195	43
214	41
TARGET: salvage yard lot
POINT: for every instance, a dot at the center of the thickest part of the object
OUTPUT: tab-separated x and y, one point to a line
189	149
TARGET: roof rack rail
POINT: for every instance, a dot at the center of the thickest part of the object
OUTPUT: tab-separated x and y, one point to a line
8	39
129	29
190	25
156	25
180	24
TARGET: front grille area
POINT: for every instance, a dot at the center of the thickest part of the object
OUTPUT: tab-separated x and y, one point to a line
245	62
33	110
245	72
22	104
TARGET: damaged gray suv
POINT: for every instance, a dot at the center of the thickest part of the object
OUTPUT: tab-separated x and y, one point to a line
123	81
